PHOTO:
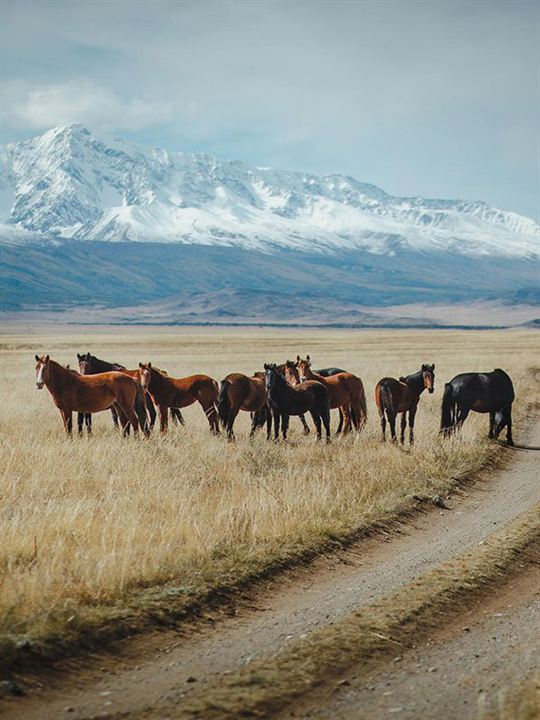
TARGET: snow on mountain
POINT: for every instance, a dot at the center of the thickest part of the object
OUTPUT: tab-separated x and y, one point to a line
68	184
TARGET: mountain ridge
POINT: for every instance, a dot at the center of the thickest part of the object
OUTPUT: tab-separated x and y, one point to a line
68	185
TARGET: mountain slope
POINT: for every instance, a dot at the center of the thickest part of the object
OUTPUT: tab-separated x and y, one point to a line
69	185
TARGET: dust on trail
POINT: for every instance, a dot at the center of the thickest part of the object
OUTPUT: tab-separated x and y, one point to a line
160	668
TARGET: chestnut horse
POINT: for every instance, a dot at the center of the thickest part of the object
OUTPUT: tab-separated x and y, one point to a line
168	392
90	365
401	396
345	390
286	400
72	392
240	392
490	392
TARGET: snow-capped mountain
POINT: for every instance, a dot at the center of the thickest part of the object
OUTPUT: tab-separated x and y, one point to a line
67	184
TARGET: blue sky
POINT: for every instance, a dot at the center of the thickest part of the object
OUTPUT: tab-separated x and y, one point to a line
436	98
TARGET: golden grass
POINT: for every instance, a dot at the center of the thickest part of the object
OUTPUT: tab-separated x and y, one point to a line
87	524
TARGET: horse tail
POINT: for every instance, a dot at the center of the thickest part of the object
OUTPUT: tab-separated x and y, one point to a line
387	402
363	405
224	404
447	408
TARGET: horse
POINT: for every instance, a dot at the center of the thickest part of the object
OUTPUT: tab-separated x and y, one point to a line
491	392
240	392
294	378
345	390
401	396
286	400
89	365
167	392
72	392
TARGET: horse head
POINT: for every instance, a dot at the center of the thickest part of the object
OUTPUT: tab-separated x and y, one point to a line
428	375
271	375
85	362
290	373
145	374
304	367
42	370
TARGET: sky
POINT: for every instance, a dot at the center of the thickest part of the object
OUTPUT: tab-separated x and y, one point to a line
439	98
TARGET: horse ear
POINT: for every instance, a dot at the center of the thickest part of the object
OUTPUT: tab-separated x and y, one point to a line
298	358
79	357
432	367
308	358
46	358
149	366
38	358
140	365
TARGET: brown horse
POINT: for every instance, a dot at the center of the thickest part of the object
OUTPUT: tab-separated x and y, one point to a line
240	392
72	392
345	391
401	396
168	392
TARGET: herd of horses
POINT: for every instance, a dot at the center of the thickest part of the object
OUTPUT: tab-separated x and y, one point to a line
272	396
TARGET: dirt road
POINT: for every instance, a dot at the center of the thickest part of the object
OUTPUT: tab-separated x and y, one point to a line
462	672
162	668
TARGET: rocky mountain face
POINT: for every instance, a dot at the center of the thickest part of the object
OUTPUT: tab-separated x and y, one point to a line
68	184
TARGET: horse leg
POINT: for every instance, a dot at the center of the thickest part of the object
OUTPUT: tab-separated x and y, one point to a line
412	415
268	423
340	425
114	414
492	430
80	422
347	423
277	416
508	417
163	418
304	424
392	423
177	416
88	423
403	426
462	416
233	412
383	426
152	414
129	417
317	421
67	417
284	425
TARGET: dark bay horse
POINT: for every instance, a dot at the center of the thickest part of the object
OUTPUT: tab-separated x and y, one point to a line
345	391
286	400
290	371
169	392
241	392
401	396
490	392
72	392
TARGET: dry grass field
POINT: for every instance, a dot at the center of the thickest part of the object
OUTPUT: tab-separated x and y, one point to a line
88	524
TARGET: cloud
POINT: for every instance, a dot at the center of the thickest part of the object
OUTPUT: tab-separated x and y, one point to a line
84	101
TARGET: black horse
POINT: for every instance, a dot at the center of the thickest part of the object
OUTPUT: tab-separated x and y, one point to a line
490	392
286	400
91	365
